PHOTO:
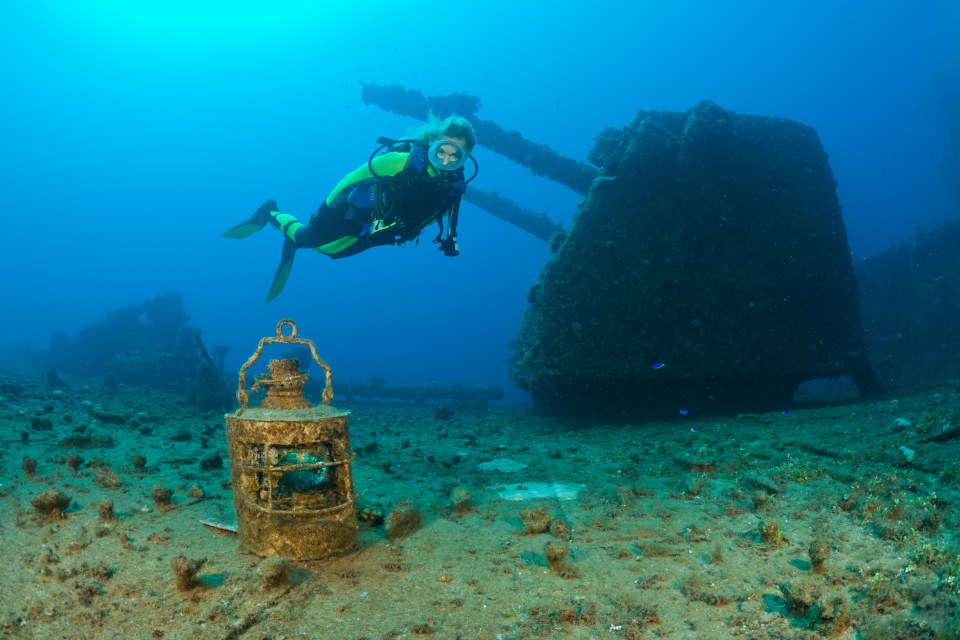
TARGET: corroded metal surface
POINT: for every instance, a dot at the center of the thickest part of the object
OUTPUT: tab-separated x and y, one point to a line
290	464
243	396
283	385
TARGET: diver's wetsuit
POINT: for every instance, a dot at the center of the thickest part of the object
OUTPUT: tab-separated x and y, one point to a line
391	205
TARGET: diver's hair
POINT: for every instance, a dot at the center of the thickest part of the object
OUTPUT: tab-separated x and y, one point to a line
453	126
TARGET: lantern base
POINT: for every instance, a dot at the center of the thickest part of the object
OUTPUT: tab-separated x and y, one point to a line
298	537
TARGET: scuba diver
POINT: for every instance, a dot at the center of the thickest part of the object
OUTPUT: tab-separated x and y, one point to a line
405	186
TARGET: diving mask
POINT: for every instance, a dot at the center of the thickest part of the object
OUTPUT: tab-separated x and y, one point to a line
446	155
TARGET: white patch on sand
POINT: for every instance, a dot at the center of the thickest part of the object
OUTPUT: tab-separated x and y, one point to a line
535	490
506	465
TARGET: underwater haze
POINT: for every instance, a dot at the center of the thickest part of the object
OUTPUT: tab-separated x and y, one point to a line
134	133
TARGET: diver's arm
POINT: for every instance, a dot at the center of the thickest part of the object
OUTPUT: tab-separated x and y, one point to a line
387	164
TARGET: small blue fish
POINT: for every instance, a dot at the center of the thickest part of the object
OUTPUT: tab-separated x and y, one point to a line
787	412
693	428
657	365
683	412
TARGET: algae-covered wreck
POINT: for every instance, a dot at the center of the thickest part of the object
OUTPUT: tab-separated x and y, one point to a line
707	268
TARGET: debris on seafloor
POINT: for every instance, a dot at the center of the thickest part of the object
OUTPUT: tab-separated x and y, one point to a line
105	509
220	527
557	555
52	503
186	572
462	501
139	461
161	496
274	573
403	520
535	521
819	552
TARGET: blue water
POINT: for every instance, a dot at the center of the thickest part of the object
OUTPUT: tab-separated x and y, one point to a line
133	133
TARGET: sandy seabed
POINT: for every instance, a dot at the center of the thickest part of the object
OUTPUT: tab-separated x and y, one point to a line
832	521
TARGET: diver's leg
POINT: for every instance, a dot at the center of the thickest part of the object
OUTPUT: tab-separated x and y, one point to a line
327	232
296	235
289	225
324	226
329	228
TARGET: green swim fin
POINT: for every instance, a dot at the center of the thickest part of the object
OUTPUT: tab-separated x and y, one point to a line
254	223
283	271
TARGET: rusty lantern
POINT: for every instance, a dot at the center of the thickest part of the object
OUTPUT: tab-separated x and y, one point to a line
290	462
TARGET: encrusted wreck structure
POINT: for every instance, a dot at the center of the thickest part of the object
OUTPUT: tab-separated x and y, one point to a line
910	296
707	270
150	344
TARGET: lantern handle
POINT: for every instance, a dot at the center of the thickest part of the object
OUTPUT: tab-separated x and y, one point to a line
243	396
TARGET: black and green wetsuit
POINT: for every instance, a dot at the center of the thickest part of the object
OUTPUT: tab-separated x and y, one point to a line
391	205
389	200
